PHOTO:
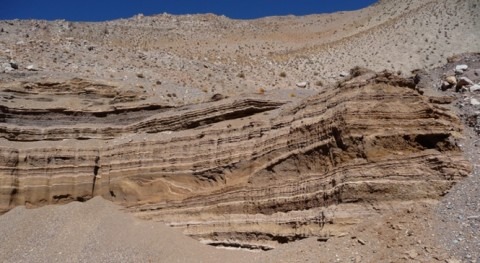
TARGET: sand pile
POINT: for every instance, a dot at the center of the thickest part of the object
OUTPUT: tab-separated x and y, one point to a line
96	231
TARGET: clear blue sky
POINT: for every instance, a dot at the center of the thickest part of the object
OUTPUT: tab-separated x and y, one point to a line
100	10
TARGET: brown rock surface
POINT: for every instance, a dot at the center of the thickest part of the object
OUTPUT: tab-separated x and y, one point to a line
224	171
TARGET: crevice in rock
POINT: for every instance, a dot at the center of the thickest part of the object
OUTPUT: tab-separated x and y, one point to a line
81	199
431	141
228	116
337	135
233	245
95	173
63	196
247	240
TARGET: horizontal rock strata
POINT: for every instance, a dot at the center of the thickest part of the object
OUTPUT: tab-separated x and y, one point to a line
249	172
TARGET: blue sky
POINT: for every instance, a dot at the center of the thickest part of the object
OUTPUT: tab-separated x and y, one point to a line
100	10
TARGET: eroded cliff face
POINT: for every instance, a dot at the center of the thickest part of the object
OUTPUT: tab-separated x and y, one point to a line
246	172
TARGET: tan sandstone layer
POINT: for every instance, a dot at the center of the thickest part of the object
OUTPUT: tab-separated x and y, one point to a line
232	171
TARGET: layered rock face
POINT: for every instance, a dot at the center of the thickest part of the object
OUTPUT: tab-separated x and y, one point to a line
249	172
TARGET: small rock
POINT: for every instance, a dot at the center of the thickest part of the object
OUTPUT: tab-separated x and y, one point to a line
217	97
460	68
344	74
6	67
452	80
453	59
13	64
462	89
361	241
475	88
302	84
32	68
412	254
445	86
464	81
474	102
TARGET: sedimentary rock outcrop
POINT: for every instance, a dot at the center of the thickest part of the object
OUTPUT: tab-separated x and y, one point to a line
233	170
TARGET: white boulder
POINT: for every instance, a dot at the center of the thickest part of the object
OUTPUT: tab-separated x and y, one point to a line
475	88
461	68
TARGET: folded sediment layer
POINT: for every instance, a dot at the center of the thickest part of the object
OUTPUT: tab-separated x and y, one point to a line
230	173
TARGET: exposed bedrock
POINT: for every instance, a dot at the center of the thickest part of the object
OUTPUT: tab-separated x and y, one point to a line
245	173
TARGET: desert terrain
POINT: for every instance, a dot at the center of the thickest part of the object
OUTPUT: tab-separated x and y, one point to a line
344	137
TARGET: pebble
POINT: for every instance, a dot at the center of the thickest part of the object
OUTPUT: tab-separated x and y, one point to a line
474	102
445	85
344	74
13	64
452	80
461	68
475	88
32	68
6	67
412	254
302	84
464	81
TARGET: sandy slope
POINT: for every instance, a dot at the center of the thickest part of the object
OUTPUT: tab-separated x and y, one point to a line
96	231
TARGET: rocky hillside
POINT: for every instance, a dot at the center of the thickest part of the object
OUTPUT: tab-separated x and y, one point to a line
208	54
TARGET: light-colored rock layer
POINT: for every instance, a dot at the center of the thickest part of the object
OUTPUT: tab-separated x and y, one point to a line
246	169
